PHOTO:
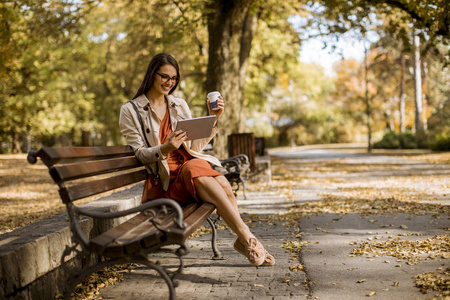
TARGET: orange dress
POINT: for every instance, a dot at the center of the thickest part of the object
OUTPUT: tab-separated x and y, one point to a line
183	169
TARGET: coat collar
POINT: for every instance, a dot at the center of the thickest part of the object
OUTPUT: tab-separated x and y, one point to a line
142	101
173	102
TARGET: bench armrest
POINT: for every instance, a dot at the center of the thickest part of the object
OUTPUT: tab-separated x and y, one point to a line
141	208
241	158
238	163
74	211
230	165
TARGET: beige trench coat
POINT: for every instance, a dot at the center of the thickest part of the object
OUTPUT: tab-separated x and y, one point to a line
131	130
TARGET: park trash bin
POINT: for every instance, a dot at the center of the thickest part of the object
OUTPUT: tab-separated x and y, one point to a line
242	143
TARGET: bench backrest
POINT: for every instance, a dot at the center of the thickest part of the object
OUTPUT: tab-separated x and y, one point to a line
81	172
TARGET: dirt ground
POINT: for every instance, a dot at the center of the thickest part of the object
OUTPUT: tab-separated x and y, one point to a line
27	193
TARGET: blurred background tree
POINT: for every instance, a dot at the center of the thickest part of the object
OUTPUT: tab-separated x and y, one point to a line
66	67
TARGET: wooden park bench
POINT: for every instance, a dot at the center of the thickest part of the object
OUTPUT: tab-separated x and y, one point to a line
82	172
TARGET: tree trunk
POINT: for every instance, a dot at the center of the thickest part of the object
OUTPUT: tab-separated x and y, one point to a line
425	91
417	83
283	136
389	119
86	140
402	92
367	99
230	30
15	143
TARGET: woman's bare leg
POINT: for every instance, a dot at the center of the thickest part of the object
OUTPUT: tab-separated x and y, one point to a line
217	190
211	191
228	190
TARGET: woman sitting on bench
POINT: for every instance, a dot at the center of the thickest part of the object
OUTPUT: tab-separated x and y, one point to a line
180	171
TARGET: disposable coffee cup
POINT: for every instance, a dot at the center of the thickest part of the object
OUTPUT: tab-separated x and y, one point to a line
212	99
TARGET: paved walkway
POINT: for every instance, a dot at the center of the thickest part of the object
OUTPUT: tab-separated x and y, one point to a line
329	272
233	278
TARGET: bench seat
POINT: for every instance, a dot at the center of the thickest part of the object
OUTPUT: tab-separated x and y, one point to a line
138	233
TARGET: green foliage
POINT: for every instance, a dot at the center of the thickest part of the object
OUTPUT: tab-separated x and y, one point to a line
394	140
439	127
441	143
439	121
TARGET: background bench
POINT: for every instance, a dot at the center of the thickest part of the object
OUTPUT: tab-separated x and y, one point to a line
82	172
235	169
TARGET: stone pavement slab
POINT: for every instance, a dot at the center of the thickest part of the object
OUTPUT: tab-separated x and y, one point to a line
233	278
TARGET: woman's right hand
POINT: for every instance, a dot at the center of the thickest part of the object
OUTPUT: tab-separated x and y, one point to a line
174	141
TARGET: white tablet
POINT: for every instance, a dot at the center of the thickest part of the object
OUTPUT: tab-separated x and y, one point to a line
197	128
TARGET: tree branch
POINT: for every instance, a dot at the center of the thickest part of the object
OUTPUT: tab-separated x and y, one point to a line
444	28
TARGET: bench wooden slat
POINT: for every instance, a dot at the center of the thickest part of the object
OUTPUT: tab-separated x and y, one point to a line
51	156
146	235
100	242
194	220
133	235
168	220
92	168
83	190
145	240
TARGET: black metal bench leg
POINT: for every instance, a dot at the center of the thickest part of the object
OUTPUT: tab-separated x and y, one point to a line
236	189
217	254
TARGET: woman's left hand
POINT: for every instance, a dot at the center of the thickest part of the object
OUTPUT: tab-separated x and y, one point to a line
217	112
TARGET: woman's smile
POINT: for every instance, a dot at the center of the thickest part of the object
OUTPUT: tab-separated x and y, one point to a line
166	87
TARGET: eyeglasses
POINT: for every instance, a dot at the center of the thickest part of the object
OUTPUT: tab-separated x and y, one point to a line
165	78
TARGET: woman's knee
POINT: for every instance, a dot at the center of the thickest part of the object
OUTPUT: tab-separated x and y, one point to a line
208	183
224	183
201	181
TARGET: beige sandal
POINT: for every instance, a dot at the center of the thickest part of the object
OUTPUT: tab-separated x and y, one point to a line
269	260
254	251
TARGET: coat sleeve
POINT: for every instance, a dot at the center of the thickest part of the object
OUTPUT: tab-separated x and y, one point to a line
130	129
200	144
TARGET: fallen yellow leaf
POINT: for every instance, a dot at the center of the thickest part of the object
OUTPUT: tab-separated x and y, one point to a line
361	281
